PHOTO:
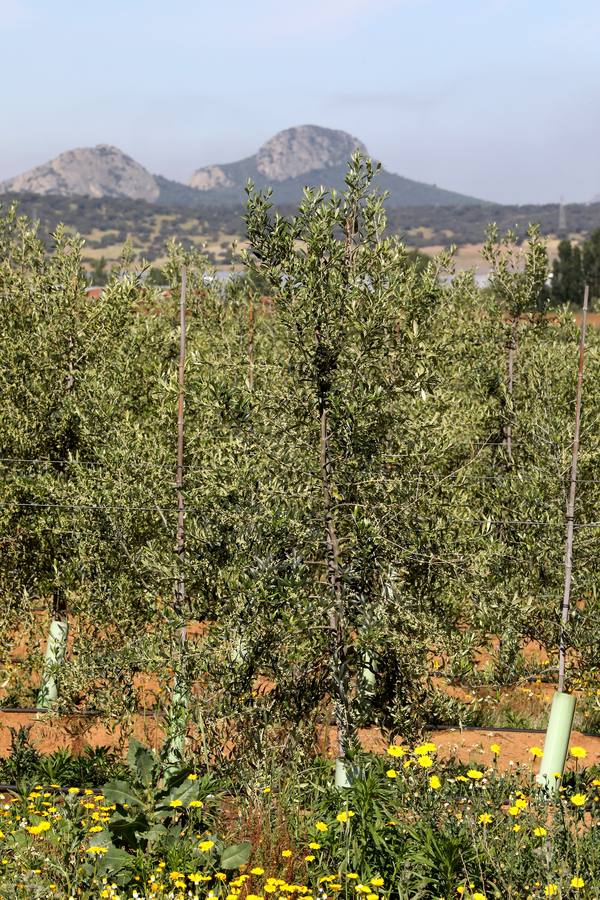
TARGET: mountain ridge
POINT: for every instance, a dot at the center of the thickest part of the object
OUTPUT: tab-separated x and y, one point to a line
305	155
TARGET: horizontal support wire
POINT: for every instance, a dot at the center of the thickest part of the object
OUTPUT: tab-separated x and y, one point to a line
504	523
514	478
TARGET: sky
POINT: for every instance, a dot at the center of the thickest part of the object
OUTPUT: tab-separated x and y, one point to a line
499	99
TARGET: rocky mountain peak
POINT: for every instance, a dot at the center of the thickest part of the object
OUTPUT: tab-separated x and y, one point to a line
305	148
101	171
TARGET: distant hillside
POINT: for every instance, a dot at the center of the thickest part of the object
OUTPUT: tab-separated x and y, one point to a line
310	155
288	162
107	222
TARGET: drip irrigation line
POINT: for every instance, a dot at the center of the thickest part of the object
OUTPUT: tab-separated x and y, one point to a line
14	789
81	462
505	729
96	506
431	726
43	709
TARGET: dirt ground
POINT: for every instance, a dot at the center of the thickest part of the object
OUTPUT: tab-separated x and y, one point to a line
49	733
468	745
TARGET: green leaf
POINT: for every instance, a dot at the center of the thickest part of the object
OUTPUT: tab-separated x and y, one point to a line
235	856
142	761
127	829
185	792
115	861
121	793
153	834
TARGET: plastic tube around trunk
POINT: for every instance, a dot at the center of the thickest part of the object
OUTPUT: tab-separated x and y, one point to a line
556	745
55	653
342	774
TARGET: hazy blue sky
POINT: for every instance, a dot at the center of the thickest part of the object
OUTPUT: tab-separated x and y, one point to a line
495	98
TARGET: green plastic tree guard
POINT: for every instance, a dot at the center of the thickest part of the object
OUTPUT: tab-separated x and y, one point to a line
342	775
178	722
55	653
556	745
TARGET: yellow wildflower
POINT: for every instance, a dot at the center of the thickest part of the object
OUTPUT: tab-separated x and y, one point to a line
435	783
345	815
423	749
39	828
475	774
578	752
394	750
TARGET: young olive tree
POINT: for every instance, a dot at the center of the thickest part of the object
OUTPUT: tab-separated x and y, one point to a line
350	308
518	279
61	402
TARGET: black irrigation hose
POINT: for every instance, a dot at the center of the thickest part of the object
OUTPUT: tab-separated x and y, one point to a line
447	726
14	789
503	728
42	709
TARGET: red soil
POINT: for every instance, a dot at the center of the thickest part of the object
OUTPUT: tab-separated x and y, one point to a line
471	745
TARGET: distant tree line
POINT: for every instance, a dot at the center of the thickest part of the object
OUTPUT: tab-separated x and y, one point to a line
575	267
150	227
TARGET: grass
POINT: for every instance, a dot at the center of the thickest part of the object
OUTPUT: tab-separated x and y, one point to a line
410	826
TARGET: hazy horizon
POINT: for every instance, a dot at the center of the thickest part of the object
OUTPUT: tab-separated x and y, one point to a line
497	99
